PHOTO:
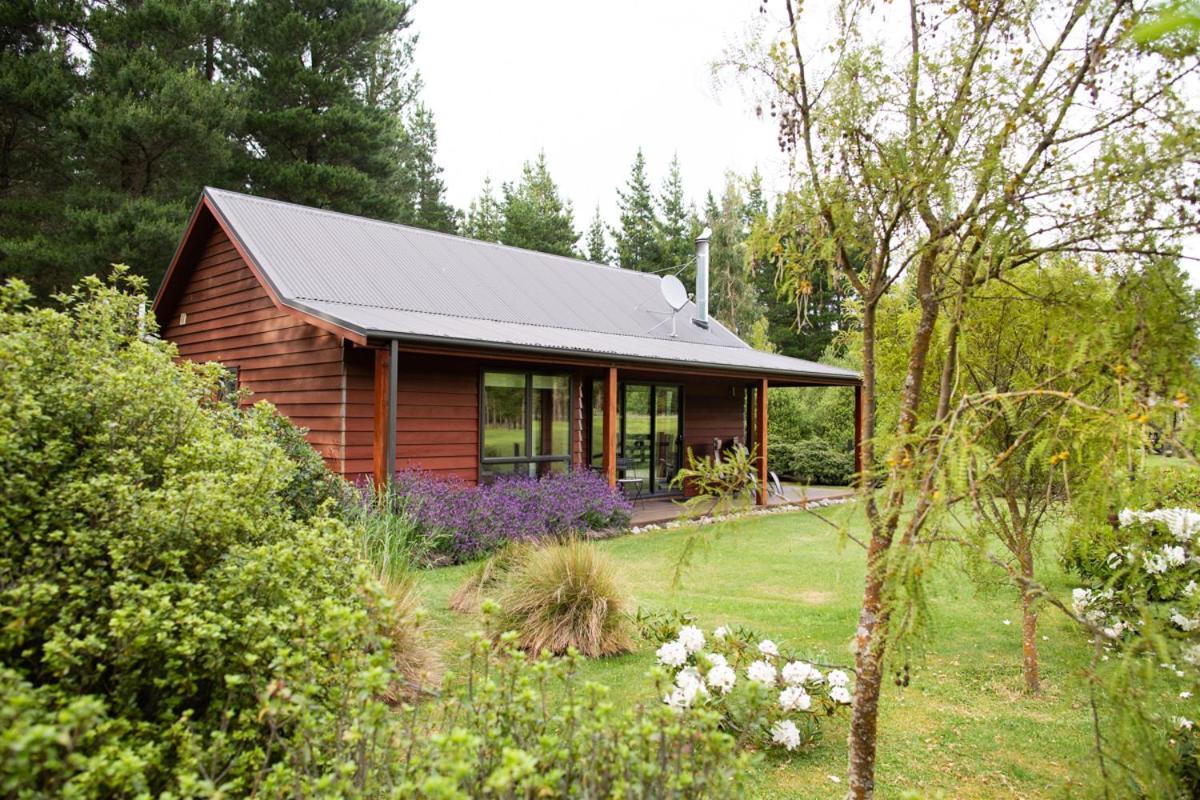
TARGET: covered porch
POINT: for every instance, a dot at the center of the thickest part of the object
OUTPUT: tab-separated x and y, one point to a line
657	510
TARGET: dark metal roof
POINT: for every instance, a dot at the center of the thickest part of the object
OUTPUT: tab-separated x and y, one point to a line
384	281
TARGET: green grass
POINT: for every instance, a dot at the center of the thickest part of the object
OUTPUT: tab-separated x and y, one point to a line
962	727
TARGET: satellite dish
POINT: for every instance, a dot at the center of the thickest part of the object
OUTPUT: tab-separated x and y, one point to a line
673	292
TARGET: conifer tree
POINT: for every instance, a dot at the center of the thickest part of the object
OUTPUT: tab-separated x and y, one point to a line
595	243
637	243
485	216
424	204
326	87
733	298
535	216
675	243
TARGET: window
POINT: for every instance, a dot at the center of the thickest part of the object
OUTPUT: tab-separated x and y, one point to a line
525	423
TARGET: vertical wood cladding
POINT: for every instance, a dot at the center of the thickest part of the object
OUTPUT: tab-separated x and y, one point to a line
437	414
280	358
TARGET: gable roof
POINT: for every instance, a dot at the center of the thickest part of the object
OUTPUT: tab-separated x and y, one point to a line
380	281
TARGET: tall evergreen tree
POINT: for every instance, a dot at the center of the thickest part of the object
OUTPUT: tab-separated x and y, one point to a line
485	216
535	216
733	298
676	248
596	246
425	205
636	237
326	87
38	78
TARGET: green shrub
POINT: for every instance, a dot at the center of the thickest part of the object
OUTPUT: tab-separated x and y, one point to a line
156	585
812	461
563	596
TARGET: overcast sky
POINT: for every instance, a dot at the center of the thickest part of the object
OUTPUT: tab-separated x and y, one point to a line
588	83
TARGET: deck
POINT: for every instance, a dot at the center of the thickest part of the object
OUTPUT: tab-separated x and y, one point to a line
656	510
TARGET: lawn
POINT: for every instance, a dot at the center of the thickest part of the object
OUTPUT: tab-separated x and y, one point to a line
962	726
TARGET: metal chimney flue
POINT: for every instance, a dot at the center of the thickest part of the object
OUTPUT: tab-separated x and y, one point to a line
701	318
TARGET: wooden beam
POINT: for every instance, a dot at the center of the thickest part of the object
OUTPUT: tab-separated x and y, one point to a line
383	446
858	434
761	431
610	427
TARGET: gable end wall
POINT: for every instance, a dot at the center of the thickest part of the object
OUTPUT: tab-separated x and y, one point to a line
294	365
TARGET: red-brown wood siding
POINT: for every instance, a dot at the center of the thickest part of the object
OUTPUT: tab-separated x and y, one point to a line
713	409
280	358
437	415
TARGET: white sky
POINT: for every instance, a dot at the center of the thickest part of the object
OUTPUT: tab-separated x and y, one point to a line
589	83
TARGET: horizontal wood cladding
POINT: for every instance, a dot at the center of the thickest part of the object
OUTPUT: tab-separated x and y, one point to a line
280	358
437	414
713	409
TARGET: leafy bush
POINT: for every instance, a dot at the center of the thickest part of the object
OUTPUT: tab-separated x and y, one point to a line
766	698
565	596
156	586
718	484
507	726
463	521
812	461
1096	532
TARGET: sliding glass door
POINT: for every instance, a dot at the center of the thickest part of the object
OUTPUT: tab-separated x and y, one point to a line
649	432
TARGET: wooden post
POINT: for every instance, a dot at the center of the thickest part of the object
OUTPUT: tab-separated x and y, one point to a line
858	432
384	442
610	427
761	431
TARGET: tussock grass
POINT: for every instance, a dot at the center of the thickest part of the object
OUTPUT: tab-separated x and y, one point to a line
487	577
566	595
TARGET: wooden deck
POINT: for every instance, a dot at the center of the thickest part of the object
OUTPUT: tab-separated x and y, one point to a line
656	510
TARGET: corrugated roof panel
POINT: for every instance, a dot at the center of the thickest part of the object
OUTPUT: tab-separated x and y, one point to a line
386	279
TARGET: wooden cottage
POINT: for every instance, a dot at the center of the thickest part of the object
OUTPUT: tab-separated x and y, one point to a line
400	348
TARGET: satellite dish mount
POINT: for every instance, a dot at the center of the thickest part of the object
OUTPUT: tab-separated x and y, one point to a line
675	293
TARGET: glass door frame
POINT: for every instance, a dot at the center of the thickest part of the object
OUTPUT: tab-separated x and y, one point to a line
653	489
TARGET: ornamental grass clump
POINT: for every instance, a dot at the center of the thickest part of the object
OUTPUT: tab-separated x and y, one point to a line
488	577
564	596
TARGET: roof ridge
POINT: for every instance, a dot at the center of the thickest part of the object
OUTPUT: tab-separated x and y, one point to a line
743	346
427	231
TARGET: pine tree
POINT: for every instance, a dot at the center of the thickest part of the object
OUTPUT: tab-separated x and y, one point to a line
326	86
733	298
594	241
636	238
38	78
535	216
485	216
674	231
425	206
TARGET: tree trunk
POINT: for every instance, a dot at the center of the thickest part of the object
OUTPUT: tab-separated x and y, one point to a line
1033	682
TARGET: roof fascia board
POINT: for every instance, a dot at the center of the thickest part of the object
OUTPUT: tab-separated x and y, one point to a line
437	345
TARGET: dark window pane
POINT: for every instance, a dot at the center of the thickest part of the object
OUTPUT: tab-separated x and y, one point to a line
504	423
551	415
597	430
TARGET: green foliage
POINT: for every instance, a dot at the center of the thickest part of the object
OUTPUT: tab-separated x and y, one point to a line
535	215
733	296
812	461
718	485
636	236
595	246
157	590
485	216
488	577
675	235
565	596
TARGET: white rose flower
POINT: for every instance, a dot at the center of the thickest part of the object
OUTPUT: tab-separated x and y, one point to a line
786	733
1155	563
793	698
1184	623
716	660
1127	517
838	678
688	687
692	638
1190	589
796	673
721	632
840	694
672	654
768	648
762	672
721	678
1175	556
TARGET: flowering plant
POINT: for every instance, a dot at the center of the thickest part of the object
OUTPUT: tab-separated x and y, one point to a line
467	521
763	695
